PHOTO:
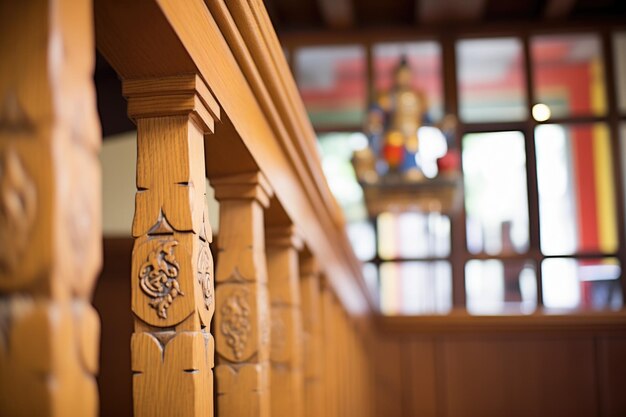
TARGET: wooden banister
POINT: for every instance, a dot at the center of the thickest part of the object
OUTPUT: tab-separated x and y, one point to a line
50	228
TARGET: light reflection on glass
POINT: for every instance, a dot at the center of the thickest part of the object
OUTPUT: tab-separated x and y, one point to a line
332	83
494	168
494	287
363	239
412	288
576	195
336	152
581	284
491	80
413	235
568	74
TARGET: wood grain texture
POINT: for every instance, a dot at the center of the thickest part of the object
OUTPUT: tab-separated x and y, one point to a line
312	334
611	351
521	377
172	267
331	373
50	248
563	372
242	320
286	347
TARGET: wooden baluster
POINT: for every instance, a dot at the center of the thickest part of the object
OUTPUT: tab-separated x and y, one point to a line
330	348
50	227
242	315
172	268
286	340
341	362
313	336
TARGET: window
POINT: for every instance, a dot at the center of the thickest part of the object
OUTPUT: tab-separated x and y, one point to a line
542	224
496	204
569	75
332	82
491	80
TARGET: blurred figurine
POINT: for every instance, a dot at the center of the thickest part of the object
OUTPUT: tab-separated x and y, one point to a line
405	109
393	129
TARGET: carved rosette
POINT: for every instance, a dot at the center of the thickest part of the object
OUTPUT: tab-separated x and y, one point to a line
18	199
158	277
205	275
236	326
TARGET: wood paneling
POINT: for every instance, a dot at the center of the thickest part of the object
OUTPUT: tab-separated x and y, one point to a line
388	378
419	370
612	375
567	369
519	377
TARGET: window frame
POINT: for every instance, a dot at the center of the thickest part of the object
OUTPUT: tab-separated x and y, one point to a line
613	119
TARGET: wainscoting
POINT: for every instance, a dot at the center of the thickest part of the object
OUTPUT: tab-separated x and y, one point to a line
464	366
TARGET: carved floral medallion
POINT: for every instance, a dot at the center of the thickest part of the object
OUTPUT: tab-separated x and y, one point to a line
236	324
18	205
158	277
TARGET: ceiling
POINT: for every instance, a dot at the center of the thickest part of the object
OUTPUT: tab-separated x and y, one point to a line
335	16
325	15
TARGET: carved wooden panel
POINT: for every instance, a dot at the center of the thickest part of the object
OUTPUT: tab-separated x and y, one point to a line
50	236
172	268
287	377
242	304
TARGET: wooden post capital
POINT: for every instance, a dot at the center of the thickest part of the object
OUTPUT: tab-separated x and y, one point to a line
247	186
285	236
170	96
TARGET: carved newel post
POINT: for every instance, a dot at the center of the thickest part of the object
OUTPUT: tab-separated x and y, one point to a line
287	338
50	227
172	268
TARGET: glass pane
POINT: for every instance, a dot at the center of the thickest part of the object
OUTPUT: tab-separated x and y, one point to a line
576	191
413	235
424	59
363	239
586	284
494	287
619	48
370	275
496	200
491	80
568	74
332	82
336	150
411	288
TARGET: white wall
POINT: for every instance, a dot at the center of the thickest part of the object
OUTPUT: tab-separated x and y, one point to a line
118	156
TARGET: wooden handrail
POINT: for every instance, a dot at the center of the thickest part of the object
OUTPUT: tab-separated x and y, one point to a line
230	64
